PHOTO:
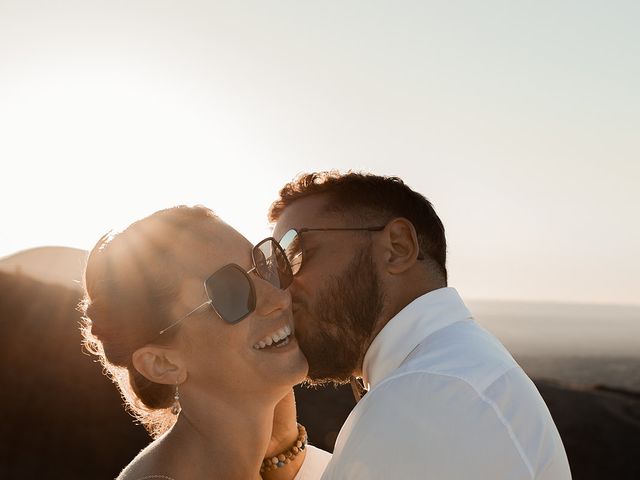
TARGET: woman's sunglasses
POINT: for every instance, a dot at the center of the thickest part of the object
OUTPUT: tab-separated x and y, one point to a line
230	290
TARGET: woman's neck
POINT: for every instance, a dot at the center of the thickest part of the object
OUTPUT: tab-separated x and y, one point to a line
224	438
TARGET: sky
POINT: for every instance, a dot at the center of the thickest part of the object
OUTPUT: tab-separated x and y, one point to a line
519	120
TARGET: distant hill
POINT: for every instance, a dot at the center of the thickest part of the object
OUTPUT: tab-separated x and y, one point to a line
56	265
572	343
555	328
63	418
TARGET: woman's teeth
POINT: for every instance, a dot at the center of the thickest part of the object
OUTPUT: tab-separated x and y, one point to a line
277	339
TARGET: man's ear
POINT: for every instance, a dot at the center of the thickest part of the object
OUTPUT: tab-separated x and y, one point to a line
401	244
160	364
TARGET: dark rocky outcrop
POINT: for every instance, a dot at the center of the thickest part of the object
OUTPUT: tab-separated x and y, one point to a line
61	417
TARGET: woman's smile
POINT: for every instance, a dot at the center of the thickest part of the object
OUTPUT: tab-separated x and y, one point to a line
277	338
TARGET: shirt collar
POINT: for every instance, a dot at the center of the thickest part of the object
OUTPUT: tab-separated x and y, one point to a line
405	331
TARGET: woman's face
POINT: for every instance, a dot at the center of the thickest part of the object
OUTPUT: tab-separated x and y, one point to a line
236	357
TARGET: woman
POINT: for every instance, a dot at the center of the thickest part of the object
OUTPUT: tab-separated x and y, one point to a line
194	325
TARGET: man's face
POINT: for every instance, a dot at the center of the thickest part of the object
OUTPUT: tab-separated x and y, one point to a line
336	295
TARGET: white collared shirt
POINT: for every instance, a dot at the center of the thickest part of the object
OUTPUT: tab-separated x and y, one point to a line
446	401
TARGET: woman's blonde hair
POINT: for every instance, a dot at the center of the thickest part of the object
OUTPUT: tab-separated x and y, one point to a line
131	280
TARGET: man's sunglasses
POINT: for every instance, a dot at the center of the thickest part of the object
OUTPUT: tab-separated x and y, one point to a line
231	292
293	246
291	242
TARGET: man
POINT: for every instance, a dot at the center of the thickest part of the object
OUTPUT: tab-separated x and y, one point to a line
370	299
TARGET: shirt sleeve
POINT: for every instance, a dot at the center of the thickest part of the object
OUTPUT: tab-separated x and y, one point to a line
314	464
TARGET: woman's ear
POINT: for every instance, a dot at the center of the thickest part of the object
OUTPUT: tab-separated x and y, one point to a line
401	244
159	364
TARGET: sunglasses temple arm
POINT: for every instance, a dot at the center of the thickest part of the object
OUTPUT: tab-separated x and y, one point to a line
208	302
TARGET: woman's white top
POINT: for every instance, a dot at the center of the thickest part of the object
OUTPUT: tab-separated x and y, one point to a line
314	464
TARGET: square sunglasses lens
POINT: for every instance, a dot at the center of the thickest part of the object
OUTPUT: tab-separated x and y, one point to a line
290	243
271	264
231	293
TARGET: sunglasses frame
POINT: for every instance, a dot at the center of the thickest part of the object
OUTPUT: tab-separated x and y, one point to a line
246	273
300	231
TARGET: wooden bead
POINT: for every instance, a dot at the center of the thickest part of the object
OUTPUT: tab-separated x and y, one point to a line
286	457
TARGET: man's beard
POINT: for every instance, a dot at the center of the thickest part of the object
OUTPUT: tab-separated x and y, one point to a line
342	320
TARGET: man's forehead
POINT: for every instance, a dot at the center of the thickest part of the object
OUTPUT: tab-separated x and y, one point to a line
309	211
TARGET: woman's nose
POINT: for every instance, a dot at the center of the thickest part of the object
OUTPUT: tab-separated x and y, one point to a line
270	298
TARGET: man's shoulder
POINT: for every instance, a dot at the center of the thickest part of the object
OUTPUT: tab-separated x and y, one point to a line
422	416
462	352
457	401
433	417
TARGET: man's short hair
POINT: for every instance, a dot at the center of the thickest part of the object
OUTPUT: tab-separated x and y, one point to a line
371	197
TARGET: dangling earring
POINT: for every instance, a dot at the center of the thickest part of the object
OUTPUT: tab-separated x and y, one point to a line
175	408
